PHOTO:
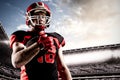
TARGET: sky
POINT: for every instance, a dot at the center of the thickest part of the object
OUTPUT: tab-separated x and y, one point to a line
83	23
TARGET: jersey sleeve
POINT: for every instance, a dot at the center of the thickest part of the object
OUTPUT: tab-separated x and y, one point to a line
17	36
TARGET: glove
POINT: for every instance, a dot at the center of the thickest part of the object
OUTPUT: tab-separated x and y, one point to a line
44	41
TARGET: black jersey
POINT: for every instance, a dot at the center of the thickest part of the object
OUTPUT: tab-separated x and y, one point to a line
43	66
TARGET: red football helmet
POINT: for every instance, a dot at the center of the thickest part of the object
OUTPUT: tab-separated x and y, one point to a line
35	7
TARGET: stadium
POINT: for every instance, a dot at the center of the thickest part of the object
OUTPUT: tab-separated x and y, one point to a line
107	69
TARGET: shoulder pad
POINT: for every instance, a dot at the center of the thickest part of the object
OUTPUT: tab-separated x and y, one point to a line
17	36
60	39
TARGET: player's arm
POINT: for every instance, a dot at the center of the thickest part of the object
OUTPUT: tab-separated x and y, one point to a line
62	67
22	55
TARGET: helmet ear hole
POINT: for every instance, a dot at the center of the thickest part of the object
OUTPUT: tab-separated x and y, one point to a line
27	18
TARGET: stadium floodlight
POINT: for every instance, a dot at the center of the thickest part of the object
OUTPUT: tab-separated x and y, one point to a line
5	42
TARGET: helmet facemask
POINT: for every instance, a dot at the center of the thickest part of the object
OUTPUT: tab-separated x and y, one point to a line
34	20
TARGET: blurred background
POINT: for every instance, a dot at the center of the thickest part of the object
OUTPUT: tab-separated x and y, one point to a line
91	30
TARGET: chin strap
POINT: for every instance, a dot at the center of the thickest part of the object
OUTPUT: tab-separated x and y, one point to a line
38	29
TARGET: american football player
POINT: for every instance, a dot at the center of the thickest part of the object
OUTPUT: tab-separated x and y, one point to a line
37	53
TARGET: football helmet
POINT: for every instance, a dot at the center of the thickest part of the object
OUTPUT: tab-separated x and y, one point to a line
34	8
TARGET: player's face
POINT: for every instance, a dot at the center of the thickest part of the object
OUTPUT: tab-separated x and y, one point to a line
39	19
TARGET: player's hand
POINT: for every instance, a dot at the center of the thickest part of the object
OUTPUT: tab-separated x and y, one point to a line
44	41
